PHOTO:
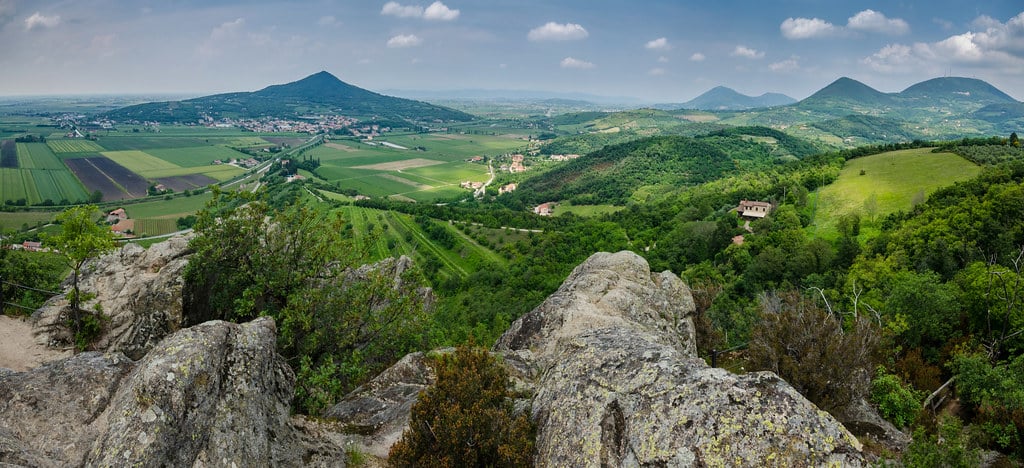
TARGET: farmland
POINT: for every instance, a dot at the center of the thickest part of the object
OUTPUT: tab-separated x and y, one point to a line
106	176
74	146
196	156
38	156
431	167
8	154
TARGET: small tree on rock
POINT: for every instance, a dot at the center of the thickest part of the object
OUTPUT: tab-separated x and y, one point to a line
79	241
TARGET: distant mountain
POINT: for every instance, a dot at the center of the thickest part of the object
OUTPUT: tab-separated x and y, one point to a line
845	92
956	89
722	98
320	93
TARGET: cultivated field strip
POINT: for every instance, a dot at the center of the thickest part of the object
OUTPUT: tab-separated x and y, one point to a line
113	180
38	156
74	146
8	154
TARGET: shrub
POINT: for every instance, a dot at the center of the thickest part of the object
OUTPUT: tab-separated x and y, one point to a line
466	418
810	349
951	447
897	403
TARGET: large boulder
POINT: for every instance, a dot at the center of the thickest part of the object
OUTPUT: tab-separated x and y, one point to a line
608	291
610	361
138	289
214	394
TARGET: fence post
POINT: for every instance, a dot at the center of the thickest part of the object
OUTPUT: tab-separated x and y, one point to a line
714	357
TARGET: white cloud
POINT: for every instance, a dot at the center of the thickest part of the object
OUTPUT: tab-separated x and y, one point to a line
570	62
993	44
788	65
875	21
404	40
865	21
38	20
697	57
656	71
440	12
806	28
558	32
227	29
401	11
327	21
660	43
437	11
746	52
662	59
221	36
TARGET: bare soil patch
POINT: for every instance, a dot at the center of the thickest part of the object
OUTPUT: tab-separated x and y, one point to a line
399	165
339	146
18	348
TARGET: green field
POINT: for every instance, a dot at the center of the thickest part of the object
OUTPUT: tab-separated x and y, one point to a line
155	226
585	210
168	209
74	146
38	156
19	219
196	156
139	162
18	184
893	179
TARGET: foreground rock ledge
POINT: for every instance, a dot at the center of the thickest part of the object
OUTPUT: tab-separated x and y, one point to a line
610	359
216	394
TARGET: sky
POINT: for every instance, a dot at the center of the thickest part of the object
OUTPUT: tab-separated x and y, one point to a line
656	51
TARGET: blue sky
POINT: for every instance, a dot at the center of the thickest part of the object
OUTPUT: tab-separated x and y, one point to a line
660	51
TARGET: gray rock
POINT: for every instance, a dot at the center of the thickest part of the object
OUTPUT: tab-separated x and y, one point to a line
617	399
610	361
608	291
214	394
55	411
138	289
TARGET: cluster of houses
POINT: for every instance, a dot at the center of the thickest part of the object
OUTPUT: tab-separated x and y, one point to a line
471	185
120	224
323	124
508	188
517	164
243	163
545	209
564	157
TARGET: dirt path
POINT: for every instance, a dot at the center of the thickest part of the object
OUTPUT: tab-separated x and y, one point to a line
18	349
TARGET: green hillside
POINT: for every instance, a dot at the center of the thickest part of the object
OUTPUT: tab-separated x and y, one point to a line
320	93
874	186
615	173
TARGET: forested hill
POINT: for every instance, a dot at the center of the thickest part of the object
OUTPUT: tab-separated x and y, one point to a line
615	173
320	93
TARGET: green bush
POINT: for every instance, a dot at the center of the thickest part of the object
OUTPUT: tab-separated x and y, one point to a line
898	403
466	418
951	447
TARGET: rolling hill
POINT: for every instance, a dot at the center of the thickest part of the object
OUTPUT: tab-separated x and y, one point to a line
722	98
616	172
318	94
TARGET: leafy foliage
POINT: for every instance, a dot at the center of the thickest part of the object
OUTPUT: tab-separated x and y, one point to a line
80	240
950	447
466	418
896	402
338	325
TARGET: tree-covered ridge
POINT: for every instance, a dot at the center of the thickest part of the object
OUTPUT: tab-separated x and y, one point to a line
614	173
317	94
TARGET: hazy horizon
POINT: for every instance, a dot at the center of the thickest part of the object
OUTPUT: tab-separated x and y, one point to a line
652	51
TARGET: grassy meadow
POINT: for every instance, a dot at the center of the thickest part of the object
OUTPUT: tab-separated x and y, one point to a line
874	186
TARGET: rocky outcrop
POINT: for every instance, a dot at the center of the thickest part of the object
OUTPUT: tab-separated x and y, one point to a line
138	289
610	361
214	394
